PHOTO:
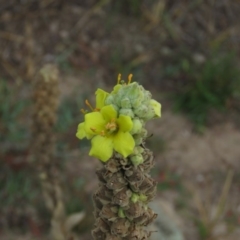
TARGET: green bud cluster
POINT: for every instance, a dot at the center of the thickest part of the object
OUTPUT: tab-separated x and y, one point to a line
134	101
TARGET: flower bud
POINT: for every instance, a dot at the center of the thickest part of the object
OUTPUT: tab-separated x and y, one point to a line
134	197
126	112
131	90
136	102
137	126
115	107
147	96
121	213
136	159
109	100
143	133
150	114
141	111
125	103
138	139
143	198
137	150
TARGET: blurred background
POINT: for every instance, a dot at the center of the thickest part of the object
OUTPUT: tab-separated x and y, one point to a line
185	52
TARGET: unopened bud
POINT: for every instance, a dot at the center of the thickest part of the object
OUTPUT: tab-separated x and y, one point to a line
138	139
141	111
109	100
136	159
125	103
137	126
147	95
135	197
143	133
126	112
121	213
143	198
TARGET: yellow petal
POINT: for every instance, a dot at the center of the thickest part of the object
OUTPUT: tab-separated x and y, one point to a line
80	131
100	98
156	107
94	123
125	123
102	148
108	113
123	143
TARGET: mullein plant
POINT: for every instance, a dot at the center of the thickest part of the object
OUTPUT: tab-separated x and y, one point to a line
46	96
116	128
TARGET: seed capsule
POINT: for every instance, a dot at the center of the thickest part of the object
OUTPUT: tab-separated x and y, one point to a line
116	181
120	227
134	175
97	203
109	212
104	175
103	194
112	237
98	234
102	225
148	183
133	210
112	166
122	197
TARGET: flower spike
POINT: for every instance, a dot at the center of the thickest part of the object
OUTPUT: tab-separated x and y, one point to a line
117	131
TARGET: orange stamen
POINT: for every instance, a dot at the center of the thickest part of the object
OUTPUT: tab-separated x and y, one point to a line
130	78
119	78
93	129
102	133
89	105
111	125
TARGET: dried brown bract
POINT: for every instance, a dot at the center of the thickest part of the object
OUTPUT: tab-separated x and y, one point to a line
122	197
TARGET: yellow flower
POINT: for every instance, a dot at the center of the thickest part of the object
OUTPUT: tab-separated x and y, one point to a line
108	133
100	100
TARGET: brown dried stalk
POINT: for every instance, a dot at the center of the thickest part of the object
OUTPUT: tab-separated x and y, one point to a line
121	200
43	146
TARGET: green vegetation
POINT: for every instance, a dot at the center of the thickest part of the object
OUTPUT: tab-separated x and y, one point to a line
16	187
10	110
131	7
211	85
